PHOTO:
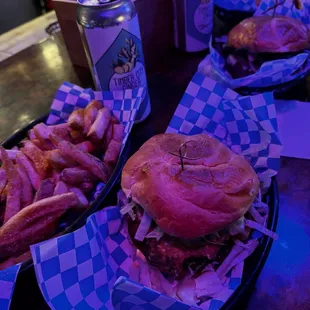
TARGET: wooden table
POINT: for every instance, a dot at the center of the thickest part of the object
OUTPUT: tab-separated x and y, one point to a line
28	82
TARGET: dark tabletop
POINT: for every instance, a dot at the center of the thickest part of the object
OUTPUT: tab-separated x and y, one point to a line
28	82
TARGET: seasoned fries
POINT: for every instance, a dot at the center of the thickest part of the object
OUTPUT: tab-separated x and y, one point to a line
77	175
118	132
34	223
55	169
45	190
61	188
12	154
37	157
112	152
26	187
90	114
58	161
33	175
76	120
13	195
86	160
99	127
82	198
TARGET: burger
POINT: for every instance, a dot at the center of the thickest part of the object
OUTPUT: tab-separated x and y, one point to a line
187	200
258	39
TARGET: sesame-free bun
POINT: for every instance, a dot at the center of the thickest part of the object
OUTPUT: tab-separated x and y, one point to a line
215	188
267	34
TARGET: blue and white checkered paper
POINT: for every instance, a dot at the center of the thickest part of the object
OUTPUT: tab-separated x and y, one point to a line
124	105
287	8
247	125
271	73
237	5
7	284
91	267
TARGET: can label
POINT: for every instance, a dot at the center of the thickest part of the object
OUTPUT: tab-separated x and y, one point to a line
193	24
199	22
117	57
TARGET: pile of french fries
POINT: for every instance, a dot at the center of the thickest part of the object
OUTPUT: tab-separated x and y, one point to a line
54	170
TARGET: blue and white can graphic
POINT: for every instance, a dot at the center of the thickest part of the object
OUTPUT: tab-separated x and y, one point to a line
193	21
114	48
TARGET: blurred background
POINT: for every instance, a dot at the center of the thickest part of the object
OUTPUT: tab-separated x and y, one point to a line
23	23
13	13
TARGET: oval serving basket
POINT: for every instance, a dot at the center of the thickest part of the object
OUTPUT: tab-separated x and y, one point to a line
26	283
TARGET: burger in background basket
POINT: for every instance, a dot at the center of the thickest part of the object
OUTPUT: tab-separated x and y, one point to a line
189	201
260	39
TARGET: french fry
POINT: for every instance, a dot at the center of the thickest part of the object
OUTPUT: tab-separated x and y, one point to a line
100	125
109	132
86	160
77	175
26	187
12	154
77	136
90	114
13	198
118	132
86	146
112	152
86	187
34	223
33	175
61	188
55	176
58	161
108	136
82	198
61	131
37	157
3	180
31	134
45	190
42	132
76	120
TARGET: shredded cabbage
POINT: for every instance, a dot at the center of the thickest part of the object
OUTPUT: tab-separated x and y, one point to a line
144	227
157	233
256	215
237	227
261	228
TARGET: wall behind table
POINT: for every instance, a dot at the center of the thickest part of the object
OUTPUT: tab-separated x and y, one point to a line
16	12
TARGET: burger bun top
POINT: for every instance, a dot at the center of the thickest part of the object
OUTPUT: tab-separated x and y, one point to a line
267	34
215	188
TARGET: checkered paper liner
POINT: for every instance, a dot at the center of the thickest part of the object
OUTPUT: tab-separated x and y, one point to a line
91	267
237	5
287	8
7	285
271	73
124	105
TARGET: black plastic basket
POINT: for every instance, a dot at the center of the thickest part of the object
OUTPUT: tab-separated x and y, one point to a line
26	285
105	198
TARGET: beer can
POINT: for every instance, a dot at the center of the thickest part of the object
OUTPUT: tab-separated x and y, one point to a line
112	41
193	21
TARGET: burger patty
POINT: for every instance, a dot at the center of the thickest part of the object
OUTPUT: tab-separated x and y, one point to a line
173	256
